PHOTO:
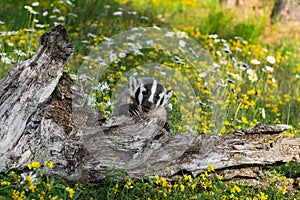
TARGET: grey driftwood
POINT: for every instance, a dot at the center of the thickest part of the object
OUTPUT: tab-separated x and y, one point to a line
44	117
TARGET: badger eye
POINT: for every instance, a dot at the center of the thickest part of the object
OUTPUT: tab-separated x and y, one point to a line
145	92
157	96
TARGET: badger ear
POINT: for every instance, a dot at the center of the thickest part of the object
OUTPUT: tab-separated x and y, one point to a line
133	84
169	94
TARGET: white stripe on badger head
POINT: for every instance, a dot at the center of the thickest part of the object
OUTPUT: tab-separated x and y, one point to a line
164	98
142	88
153	90
161	95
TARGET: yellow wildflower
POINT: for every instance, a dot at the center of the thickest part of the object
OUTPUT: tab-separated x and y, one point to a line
129	184
163	182
15	195
235	189
262	196
244	120
49	164
29	179
203	177
70	191
3	183
203	184
181	188
34	165
48	186
187	178
211	167
123	68
115	188
32	187
250	92
193	186
219	177
175	186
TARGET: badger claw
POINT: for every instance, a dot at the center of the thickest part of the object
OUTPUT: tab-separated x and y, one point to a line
134	110
165	125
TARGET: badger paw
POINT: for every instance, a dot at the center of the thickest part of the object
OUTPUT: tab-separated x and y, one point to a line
134	110
165	125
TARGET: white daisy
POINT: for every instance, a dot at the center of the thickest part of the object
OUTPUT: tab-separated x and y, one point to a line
181	43
271	59
118	13
263	113
251	75
255	62
269	69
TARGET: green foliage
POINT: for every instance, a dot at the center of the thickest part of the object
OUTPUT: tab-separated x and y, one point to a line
32	184
250	31
217	22
288	170
210	17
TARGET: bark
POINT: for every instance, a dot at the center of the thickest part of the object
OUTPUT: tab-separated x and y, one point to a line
24	92
286	11
44	116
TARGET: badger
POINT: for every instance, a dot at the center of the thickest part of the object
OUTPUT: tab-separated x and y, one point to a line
144	97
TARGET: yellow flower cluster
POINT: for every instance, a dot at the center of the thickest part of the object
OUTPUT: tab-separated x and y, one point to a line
16	195
48	164
70	191
230	93
31	184
34	165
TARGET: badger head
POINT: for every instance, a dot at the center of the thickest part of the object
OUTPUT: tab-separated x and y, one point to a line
148	93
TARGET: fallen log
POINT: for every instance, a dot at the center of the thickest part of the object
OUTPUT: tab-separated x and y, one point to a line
44	117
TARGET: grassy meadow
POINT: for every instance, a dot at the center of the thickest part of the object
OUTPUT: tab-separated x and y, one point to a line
228	70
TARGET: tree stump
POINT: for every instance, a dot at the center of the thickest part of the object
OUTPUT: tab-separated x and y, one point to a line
44	117
286	11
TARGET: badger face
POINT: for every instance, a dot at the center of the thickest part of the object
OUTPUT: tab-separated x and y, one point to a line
151	96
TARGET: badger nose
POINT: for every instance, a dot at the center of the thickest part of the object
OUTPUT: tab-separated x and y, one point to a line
148	106
146	109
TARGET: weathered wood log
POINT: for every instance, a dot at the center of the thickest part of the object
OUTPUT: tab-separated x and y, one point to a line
23	94
44	116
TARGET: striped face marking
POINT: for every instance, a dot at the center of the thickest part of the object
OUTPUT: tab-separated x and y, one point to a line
151	95
153	91
140	92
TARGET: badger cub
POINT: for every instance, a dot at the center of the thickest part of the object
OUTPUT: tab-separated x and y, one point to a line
144	97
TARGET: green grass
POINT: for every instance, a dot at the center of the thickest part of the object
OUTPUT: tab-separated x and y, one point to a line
228	97
33	185
209	16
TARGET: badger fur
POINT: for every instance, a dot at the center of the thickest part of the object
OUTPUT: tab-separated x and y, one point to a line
144	97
